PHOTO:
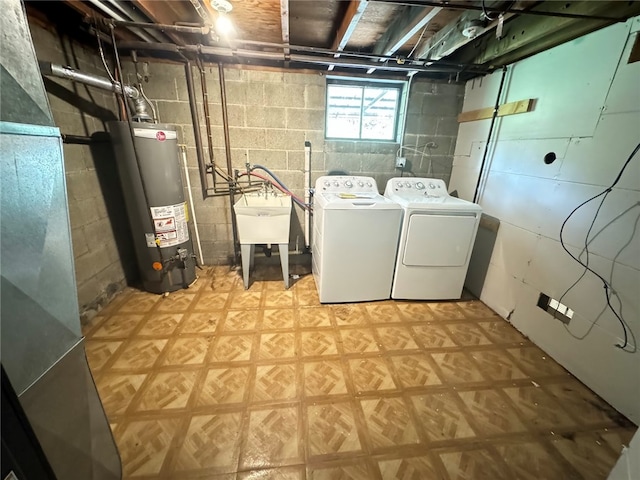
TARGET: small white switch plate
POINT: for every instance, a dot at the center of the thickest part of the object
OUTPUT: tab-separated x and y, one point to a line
401	162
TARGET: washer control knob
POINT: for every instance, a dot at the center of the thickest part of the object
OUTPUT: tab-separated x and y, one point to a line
327	183
361	183
336	184
432	186
420	186
407	184
348	184
369	184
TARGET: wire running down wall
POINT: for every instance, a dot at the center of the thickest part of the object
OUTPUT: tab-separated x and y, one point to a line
588	117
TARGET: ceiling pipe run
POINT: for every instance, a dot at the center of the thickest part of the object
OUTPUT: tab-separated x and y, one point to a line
368	56
410	66
108	10
201	30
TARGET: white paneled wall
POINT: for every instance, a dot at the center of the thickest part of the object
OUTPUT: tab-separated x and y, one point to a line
587	112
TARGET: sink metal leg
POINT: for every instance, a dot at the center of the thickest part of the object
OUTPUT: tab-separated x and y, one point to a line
253	256
246	250
284	262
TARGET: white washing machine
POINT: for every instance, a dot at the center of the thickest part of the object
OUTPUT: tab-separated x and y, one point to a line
355	240
436	239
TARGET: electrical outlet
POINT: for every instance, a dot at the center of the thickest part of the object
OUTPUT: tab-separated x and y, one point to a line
555	308
401	162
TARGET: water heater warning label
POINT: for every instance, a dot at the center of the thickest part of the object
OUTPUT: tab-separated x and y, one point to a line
170	224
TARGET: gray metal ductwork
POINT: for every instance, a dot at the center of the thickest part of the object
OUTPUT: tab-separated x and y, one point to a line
54	70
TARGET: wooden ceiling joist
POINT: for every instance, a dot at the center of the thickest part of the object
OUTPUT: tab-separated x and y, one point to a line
89	12
527	35
450	38
403	28
284	21
158	13
352	16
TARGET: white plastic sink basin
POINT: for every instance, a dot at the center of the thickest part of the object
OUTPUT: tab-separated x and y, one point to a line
263	219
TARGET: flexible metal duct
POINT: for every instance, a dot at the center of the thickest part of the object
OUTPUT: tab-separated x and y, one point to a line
60	71
141	106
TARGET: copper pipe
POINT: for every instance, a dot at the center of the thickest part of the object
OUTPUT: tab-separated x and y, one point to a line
196	128
207	119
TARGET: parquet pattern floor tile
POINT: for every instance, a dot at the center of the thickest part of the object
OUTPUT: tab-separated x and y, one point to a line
222	383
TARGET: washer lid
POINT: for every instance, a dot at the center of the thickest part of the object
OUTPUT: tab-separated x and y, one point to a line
356	201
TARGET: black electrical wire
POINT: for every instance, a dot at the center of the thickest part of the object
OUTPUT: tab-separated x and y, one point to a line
488	17
584	250
587	268
489	135
484	12
133	144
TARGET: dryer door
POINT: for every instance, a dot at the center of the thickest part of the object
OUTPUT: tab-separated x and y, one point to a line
439	240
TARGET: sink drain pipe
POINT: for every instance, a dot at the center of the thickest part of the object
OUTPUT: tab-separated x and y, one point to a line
307	193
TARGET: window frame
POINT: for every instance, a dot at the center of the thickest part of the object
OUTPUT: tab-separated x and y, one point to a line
399	85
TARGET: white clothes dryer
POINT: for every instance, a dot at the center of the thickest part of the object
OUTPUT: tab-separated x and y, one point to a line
355	240
437	236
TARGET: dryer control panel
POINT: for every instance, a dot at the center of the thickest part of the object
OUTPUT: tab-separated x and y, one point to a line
416	187
346	184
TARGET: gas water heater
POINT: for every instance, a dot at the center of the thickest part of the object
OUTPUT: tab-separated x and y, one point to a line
151	179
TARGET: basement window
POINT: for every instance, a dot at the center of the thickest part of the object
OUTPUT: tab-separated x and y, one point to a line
358	110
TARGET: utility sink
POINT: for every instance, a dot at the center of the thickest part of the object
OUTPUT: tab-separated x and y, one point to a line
263	218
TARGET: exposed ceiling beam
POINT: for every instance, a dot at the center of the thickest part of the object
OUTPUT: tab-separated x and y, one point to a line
89	12
403	28
315	58
352	16
450	38
524	36
157	13
124	12
284	19
551	12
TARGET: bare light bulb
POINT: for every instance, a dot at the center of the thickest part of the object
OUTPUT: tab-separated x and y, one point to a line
224	26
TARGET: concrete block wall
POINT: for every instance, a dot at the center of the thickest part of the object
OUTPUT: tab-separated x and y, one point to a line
271	114
432	128
428	144
100	234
